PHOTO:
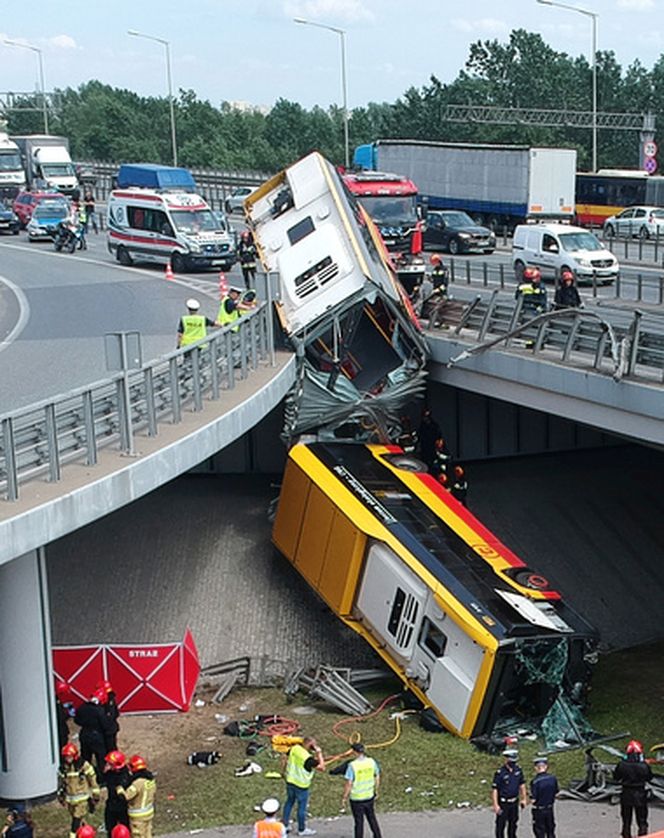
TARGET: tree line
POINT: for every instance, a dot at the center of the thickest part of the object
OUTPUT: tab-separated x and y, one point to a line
114	125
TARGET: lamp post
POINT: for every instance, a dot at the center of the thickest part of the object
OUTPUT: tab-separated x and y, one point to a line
344	84
594	17
11	43
167	45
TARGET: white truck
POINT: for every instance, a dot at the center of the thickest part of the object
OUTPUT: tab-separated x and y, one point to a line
12	176
47	162
497	185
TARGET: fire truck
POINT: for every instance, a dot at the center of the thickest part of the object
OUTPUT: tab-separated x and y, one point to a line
391	202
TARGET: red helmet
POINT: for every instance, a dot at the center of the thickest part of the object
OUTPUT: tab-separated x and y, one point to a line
86	831
531	273
567	275
442	479
136	763
435	259
99	696
246	235
62	690
458	471
120	831
116	759
634	747
439	443
70	750
106	686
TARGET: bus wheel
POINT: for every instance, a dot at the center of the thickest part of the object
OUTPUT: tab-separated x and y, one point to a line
407	463
123	257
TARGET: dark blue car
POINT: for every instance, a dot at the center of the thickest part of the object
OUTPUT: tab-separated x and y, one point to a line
9	222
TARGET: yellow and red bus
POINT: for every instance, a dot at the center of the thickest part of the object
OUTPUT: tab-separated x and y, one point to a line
474	633
609	191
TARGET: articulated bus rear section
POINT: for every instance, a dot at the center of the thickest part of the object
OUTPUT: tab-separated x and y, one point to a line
471	630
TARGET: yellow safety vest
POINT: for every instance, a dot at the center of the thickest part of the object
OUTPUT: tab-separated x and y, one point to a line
194	329
296	773
140	797
364	778
224	317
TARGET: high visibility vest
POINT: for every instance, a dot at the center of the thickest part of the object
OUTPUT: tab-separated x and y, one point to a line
268	829
364	778
140	798
224	317
296	773
194	329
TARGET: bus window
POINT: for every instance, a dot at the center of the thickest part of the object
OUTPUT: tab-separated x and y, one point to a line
432	639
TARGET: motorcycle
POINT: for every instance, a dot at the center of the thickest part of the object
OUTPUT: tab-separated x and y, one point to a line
69	236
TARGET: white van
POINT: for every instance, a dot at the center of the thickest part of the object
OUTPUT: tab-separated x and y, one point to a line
556	247
146	225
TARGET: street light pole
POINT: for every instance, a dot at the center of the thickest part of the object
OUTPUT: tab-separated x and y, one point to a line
11	43
594	16
344	80
167	46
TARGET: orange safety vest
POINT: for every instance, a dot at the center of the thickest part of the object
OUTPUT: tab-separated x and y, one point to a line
269	829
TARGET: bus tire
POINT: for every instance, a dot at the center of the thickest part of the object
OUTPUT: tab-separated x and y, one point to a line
407	463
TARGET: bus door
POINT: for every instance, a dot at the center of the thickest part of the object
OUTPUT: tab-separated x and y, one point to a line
453	660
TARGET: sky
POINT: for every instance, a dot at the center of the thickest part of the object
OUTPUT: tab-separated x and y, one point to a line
252	51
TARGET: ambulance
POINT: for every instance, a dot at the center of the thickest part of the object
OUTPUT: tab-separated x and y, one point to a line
163	225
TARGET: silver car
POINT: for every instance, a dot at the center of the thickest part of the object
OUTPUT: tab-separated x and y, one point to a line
235	201
644	222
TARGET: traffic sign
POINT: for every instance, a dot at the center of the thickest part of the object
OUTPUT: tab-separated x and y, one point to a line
649	148
650	165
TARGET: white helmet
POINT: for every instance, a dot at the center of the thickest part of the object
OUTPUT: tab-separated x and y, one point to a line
192	304
270	806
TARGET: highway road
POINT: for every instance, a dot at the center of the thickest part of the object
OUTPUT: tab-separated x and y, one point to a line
55	309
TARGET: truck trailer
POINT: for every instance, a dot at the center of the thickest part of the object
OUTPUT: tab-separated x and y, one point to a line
499	186
12	176
47	163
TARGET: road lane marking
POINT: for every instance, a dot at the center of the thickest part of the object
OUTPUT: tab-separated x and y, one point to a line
23	317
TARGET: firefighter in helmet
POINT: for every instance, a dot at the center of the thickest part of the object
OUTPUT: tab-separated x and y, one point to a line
116	776
78	790
140	796
532	291
633	773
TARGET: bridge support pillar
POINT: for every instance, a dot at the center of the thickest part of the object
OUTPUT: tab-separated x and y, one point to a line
28	732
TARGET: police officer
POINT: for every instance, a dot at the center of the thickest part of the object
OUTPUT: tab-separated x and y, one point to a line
508	791
231	308
19	823
633	773
269	827
362	781
193	326
532	291
543	791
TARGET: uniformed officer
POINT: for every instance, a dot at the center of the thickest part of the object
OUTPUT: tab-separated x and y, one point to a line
543	791
193	326
247	254
362	781
140	796
508	791
460	485
19	823
231	308
78	789
633	773
301	762
532	291
116	776
270	827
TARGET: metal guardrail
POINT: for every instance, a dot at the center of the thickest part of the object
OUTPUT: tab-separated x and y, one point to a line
214	184
37	440
639	288
627	345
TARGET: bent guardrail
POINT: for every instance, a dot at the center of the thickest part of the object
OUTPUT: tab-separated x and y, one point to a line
37	440
626	344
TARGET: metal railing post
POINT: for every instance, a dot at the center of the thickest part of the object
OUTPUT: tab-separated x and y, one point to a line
639	287
516	314
571	337
89	422
229	359
195	359
484	327
467	272
635	333
52	441
243	353
10	458
501	269
174	381
269	322
149	402
485	274
120	397
214	366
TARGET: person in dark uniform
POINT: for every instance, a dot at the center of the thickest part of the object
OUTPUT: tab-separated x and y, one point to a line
460	485
95	731
116	775
543	791
112	712
532	291
247	254
442	458
633	773
429	432
18	824
508	792
567	294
